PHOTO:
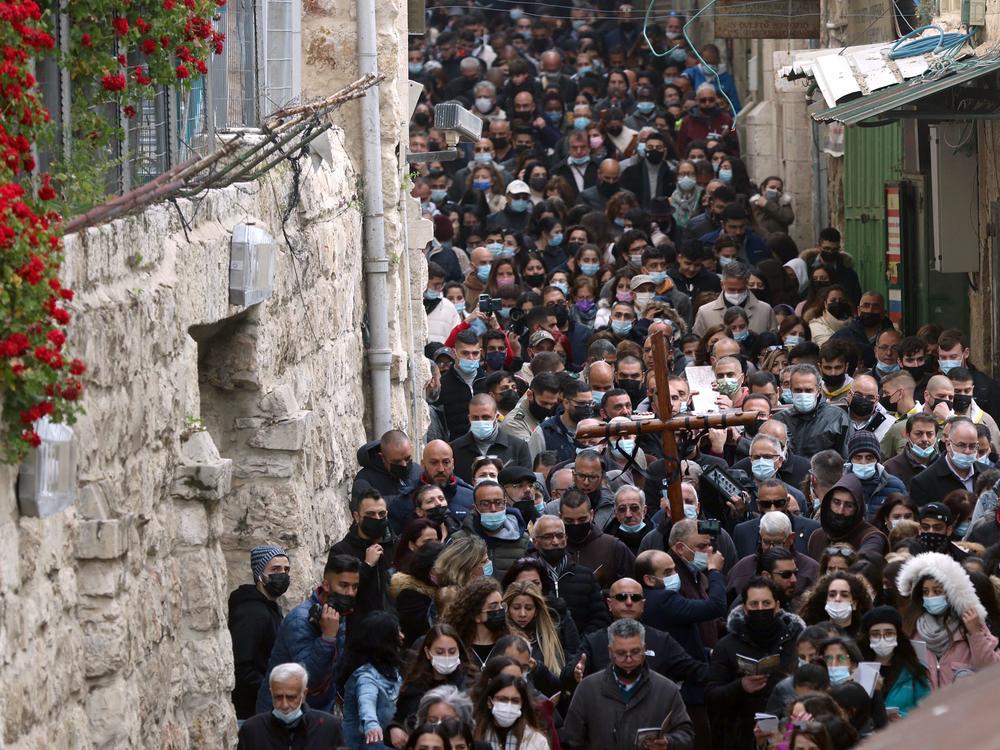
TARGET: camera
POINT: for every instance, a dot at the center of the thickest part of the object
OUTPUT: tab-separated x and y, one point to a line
710	527
489	305
316	614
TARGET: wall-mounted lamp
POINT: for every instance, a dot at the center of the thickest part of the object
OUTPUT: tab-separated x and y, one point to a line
251	265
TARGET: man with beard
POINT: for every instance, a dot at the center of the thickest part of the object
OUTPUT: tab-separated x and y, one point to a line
485	439
628	376
438	464
609	707
706	118
370	540
842	519
588	545
386	465
758	629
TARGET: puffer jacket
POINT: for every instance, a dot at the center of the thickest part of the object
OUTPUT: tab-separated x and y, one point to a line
373	474
878	488
369	703
577	589
825	427
862	535
505	546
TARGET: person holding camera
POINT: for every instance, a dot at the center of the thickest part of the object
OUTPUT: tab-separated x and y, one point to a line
313	633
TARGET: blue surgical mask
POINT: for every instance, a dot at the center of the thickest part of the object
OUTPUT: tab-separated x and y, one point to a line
459	307
922	452
492	522
554	117
488	568
481	429
625	447
686	183
791	341
946	365
590	269
483	273
483	157
935	605
984	460
641	149
700	561
619	221
804	402
762	468
439	196
468	366
416	68
632	529
886	369
495	248
726	175
520	205
579	160
786	396
597	396
963	460
839	675
561	286
556	239
962	529
506	251
621	327
742	336
290	718
581	123
645	107
672	583
432	294
863	471
483	185
658	277
540	508
690	511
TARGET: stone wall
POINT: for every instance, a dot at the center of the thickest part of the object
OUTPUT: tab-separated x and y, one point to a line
209	429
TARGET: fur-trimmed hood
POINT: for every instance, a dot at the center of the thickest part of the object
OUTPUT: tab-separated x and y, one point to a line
402	581
810	254
951	575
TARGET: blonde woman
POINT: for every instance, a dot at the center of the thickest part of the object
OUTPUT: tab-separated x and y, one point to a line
463	560
528	615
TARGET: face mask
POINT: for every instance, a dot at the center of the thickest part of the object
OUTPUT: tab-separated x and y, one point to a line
625	448
439	195
734	300
539	412
484	104
833	382
505	714
919	452
597	397
495	248
870	319
932	541
500	142
290	718
690	511
741	336
728	386
771	194
963	460
561	286
520	205
608	189
590	269
437	514
495	360
492	522
935	605
726	175
640	149
416	68
672	583
887	369
401	472
792	341
468	366
621	327
804	403
483	430
645	107
686	183
762	622
658	277
700	560
863	471
786	395
578	413
373	528
840	525
947	365
839	611
962	402
445	664
534	279
576	533
459	308
962	529
762	469
839	675
277	584
343	603
537	184
482	185
839	309
553	556
861	406
431	294
483	273
883	646
642	299
581	123
596	142
632	529
579	160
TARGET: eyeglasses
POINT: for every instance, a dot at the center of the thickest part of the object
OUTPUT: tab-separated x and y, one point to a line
555	536
838	552
786	574
768	504
491	504
964	446
587	477
624	597
628	509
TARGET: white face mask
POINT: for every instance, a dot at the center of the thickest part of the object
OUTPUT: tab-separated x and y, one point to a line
735	299
445	664
505	714
839	611
883	646
642	299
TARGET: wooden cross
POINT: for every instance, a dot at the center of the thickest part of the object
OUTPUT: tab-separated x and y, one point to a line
667	425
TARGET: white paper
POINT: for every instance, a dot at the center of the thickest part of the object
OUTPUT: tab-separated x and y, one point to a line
700	381
768	723
921	648
866	675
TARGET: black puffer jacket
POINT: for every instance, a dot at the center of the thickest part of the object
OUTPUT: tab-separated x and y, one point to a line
734	707
578	587
373	587
253	624
824	428
373	474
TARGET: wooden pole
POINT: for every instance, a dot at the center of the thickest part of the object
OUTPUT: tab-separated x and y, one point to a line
671	460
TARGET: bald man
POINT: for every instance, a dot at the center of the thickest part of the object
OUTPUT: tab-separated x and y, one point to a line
626	600
864	409
437	467
386	465
601	377
596	198
939	400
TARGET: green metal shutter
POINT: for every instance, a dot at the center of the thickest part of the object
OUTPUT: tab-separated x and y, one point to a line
873	156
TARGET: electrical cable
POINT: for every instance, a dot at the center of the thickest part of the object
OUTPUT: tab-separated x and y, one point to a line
950	42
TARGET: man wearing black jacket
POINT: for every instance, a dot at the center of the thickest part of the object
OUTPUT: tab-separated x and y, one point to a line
292	723
386	466
457	383
370	540
254	617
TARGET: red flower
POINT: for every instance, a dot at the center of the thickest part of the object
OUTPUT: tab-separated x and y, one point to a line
56	361
165	41
122	60
182	72
86	41
46	192
168	5
120	25
148	46
56	337
142	25
31	438
202	67
113	82
220	3
76	367
60	315
129	111
66	294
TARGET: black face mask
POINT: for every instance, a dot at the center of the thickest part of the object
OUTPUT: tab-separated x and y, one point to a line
616	130
607	189
508	400
527	510
932	542
829	257
500	143
886	402
373	528
534	279
861	406
401	471
917	373
553	556
578	413
343	603
839	309
635	389
422	119
437	514
935	401
277	584
538	411
577	532
496	620
840	525
629	675
962	402
573	247
654	157
538	184
870	319
762	623
495	360
833	382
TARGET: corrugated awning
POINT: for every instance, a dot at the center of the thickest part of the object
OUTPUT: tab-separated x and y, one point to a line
900	100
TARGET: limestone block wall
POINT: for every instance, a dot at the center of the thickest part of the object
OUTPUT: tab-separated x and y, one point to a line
209	428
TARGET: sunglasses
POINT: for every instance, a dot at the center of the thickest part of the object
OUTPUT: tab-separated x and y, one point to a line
628	597
786	574
768	504
839	552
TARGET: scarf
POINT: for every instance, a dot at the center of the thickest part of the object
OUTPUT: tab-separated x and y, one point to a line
937	632
685	206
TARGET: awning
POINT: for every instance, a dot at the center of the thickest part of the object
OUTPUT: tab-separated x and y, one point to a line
910	98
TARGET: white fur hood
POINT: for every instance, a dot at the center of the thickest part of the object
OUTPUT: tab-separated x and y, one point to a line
957	586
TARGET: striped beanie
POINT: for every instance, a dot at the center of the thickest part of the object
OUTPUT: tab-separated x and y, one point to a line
261	556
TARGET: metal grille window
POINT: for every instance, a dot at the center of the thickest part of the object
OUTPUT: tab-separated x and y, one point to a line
234	73
148	140
281	56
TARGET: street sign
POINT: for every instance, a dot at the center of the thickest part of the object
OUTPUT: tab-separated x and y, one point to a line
767	19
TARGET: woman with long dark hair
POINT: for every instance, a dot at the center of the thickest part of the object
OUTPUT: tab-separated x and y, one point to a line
904	678
370	680
477	614
505	717
440	660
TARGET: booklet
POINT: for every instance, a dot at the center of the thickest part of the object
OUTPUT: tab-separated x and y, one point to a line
700	381
866	675
768	723
646	734
765	665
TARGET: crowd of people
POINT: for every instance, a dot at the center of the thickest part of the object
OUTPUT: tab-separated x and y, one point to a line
521	586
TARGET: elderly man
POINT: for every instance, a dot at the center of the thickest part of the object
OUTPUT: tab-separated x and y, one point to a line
626	600
571	582
611	706
956	469
485	438
629	523
706	118
291	723
775	529
813	424
438	468
596	198
735	293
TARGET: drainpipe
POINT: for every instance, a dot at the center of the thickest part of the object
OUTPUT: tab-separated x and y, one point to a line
376	266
